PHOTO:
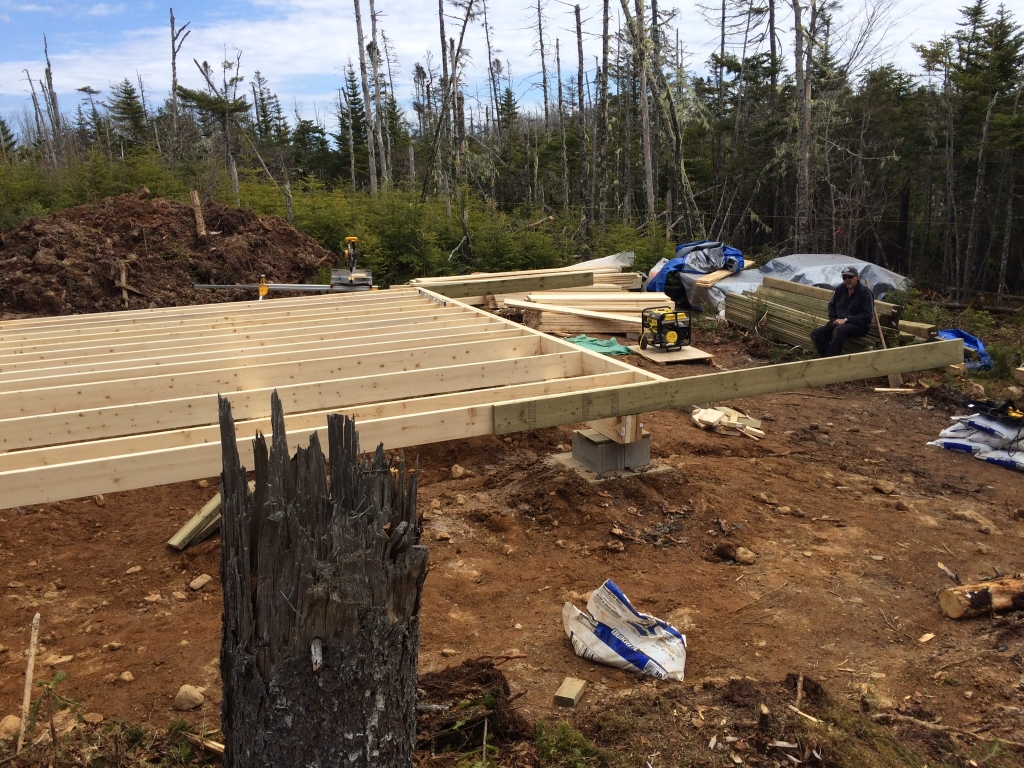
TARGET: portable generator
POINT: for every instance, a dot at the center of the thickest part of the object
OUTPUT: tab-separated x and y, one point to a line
665	327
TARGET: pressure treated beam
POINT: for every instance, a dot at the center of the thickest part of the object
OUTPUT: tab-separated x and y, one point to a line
458	289
135	390
715	387
162	415
617	317
244	359
399	424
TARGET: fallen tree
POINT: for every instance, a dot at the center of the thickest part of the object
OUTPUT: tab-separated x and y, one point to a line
322	578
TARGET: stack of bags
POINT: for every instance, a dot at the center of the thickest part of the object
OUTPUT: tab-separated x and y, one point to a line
985	438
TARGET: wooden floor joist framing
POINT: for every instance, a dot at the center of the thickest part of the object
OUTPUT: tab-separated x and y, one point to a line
115	401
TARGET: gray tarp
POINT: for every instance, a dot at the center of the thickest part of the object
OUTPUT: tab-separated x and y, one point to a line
820	269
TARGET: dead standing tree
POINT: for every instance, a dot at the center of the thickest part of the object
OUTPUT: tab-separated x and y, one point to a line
322	580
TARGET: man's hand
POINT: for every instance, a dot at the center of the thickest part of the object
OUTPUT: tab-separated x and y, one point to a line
840	321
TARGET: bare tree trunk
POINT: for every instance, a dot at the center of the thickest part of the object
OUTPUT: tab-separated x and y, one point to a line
543	63
378	117
588	200
322	578
640	44
177	40
602	125
771	42
351	139
803	137
491	78
371	155
561	127
1004	257
979	180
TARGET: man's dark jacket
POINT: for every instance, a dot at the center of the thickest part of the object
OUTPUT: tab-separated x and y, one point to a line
858	309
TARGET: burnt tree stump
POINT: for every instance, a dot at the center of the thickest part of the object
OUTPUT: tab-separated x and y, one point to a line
322	581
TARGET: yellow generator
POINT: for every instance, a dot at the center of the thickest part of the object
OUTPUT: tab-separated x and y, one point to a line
665	327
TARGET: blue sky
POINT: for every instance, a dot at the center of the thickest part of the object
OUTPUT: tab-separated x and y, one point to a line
301	46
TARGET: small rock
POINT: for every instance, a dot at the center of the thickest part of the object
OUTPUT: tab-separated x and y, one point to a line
986	529
461	500
902	506
783	510
560	447
10	726
443	536
458	472
508	550
767	498
615	546
808	553
200	581
100	501
448	652
968	694
877	557
114	646
984	549
188	697
179	595
519	626
884	486
93	718
435	504
152	598
134	569
977	392
744	556
126	676
203	483
53	660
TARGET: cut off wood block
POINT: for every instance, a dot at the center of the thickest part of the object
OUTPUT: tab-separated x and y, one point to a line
570	692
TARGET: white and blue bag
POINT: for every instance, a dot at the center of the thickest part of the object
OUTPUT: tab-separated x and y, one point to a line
615	633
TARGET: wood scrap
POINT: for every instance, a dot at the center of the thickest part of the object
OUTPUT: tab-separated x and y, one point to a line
197	210
983	598
26	701
718	275
212	746
201	525
726	421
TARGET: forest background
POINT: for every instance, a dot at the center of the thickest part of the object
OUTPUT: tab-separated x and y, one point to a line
789	140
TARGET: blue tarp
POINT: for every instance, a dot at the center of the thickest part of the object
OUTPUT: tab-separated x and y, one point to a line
972	343
698	258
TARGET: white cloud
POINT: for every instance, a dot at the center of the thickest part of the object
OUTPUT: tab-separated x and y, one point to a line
102	9
32	8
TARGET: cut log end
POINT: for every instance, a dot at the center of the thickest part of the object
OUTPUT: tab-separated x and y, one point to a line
982	598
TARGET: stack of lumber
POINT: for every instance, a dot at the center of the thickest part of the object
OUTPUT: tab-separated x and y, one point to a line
788	312
490	282
727	421
586	312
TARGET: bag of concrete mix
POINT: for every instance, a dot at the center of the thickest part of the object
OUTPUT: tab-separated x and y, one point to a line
615	633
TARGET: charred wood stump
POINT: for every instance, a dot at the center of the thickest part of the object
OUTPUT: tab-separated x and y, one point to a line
322	580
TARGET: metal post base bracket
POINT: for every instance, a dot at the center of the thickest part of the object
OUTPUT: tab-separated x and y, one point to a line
601	454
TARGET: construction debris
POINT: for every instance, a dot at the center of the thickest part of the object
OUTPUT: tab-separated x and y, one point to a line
727	421
203	523
570	692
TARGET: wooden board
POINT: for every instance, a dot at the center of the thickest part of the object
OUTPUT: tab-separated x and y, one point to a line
718	275
684	355
456	290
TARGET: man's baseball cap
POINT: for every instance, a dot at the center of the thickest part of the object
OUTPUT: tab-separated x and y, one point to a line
849	272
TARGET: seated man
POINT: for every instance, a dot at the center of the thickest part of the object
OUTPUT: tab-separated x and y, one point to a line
850	313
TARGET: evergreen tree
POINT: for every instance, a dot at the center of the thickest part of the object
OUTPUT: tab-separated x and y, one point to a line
8	143
127	115
351	136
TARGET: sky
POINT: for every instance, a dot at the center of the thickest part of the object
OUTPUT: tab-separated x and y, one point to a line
302	46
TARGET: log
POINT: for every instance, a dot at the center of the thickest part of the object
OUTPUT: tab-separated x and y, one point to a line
197	209
322	578
982	598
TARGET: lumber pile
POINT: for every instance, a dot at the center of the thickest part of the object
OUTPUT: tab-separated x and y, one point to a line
607	277
727	421
586	312
788	312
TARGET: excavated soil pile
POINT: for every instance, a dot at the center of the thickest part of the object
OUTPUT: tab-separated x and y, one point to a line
71	262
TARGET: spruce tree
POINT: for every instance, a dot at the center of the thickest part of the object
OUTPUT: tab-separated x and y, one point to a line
8	142
127	113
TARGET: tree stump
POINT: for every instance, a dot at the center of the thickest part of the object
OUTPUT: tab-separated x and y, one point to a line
322	581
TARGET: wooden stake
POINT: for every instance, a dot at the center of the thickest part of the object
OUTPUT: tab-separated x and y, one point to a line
197	209
27	700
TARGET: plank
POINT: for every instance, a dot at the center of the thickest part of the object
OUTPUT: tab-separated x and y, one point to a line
625	297
718	275
31	402
399	424
233	347
882	307
574	311
243	358
161	416
685	355
455	290
678	393
427	282
403	307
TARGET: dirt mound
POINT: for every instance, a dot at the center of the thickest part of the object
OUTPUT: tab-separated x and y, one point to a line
72	262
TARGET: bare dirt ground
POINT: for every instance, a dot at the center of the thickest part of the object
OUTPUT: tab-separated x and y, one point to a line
844	587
